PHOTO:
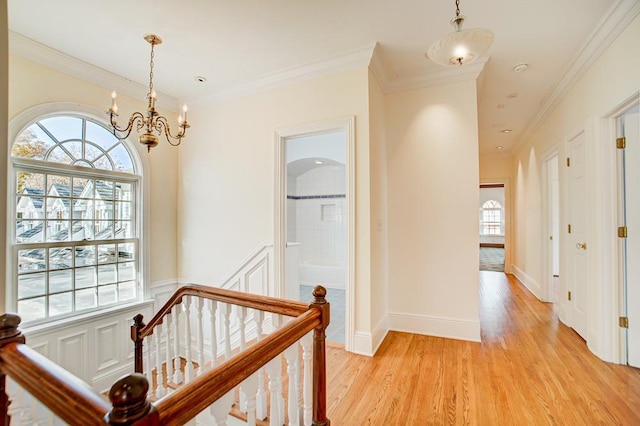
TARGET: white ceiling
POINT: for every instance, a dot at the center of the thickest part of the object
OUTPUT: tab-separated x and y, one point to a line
235	43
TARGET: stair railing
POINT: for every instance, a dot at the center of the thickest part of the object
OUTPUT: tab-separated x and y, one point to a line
132	403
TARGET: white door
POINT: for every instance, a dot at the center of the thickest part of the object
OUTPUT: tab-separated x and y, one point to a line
577	275
630	129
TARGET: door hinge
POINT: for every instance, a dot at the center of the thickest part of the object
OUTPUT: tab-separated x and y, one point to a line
569	295
624	322
622	232
568	162
569	228
621	143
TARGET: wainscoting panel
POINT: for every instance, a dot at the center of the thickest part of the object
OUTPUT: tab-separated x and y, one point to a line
108	340
72	352
96	348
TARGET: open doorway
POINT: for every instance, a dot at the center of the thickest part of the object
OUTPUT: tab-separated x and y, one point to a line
492	227
314	218
316	225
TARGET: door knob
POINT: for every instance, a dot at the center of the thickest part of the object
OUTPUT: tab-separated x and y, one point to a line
582	246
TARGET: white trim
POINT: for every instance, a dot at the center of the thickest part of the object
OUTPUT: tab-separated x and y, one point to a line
359	58
347	125
614	22
379	333
31	50
449	328
527	281
435	76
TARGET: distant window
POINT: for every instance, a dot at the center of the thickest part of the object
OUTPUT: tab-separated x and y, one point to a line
75	239
491	221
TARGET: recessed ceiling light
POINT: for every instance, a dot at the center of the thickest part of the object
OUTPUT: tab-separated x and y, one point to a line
499	147
520	67
512	95
506	131
200	79
318	161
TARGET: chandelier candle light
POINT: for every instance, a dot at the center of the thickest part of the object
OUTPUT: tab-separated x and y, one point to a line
461	46
150	120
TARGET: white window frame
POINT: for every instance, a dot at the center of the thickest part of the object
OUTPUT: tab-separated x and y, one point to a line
500	223
21	122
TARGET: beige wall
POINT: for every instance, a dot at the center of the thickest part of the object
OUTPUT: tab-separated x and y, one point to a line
379	208
4	114
432	160
613	78
33	84
226	204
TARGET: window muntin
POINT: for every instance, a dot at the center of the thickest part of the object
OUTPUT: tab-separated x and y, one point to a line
491	218
76	241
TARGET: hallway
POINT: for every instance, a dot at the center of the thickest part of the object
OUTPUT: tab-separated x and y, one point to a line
528	370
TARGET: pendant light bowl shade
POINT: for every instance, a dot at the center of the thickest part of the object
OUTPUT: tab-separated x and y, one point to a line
461	47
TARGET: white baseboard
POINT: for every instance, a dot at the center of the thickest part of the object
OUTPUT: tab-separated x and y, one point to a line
527	281
450	328
368	343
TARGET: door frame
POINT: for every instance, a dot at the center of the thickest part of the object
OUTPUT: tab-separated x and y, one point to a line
508	263
614	302
547	223
346	125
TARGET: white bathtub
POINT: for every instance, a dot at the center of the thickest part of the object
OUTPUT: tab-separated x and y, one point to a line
326	276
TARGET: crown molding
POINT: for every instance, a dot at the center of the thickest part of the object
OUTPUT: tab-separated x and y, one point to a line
433	77
356	59
31	50
619	16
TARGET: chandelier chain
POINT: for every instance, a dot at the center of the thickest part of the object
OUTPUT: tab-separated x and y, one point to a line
457	8
151	72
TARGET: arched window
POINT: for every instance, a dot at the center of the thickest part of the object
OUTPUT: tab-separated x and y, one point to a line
75	237
491	218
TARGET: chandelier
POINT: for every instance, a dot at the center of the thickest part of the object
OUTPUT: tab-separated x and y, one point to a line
461	46
151	122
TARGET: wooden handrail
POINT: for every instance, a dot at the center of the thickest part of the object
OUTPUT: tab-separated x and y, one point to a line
264	303
76	403
64	394
183	404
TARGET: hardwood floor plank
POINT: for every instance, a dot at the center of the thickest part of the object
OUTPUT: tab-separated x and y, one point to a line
528	370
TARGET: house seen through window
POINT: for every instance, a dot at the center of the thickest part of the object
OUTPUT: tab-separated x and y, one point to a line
75	240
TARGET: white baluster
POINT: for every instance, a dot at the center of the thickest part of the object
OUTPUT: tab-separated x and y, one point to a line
188	369
157	332
200	335
250	386
213	305
274	369
227	333
261	395
148	367
177	368
293	408
220	409
306	383
277	323
242	315
167	349
20	408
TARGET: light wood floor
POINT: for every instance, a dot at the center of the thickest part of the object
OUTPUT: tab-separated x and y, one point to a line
528	370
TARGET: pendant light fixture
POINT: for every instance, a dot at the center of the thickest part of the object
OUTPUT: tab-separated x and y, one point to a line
461	46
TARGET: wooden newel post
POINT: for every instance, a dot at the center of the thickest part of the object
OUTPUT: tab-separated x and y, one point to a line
319	359
129	403
137	342
9	333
